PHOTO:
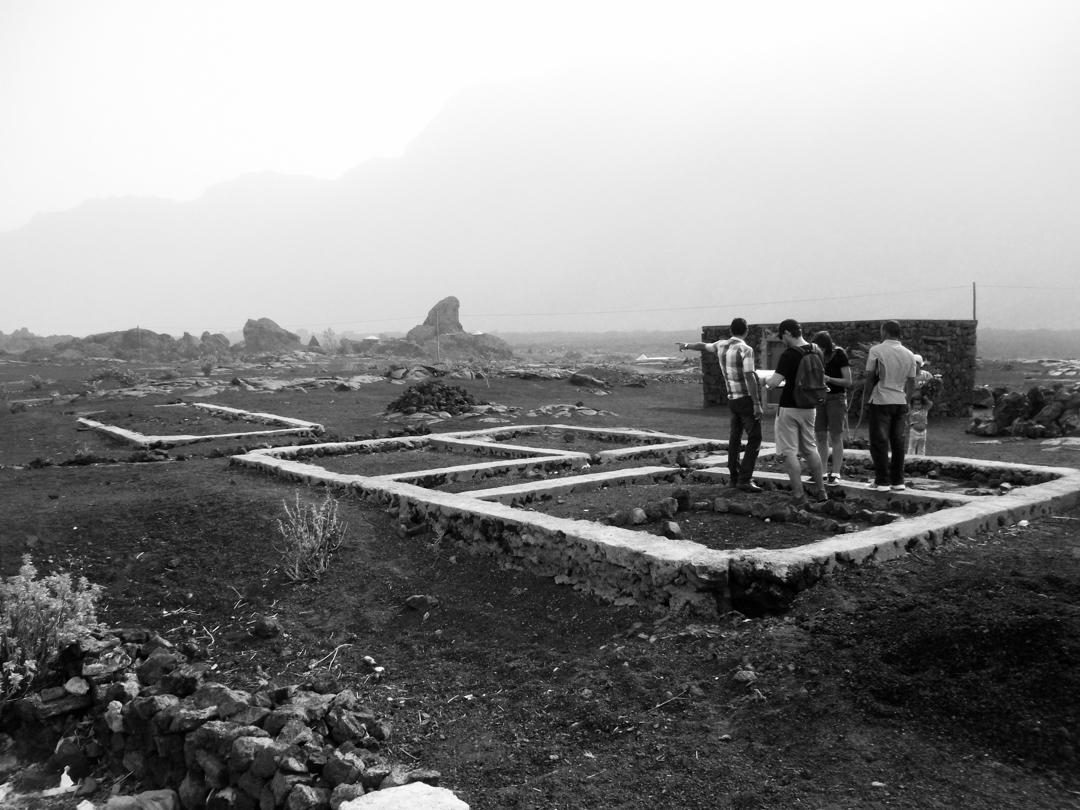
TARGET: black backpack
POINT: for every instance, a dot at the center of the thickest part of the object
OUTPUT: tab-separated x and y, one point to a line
810	387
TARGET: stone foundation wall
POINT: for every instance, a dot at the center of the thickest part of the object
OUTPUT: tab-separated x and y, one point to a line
948	347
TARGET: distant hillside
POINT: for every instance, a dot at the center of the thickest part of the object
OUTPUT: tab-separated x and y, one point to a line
1032	344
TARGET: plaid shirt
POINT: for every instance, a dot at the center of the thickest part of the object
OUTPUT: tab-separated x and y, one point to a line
735	359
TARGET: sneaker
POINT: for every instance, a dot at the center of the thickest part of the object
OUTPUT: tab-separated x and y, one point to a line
832	480
897	487
880	487
799	502
751	487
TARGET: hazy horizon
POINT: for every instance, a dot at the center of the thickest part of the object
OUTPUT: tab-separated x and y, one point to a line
585	167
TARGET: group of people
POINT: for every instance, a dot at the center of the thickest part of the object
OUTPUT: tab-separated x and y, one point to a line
817	434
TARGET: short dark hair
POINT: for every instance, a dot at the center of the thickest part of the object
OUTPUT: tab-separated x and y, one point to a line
825	341
738	326
791	326
892	328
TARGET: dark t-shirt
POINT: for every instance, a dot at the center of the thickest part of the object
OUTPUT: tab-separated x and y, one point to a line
833	368
787	367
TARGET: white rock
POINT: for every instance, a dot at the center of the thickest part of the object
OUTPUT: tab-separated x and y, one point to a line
414	796
76	686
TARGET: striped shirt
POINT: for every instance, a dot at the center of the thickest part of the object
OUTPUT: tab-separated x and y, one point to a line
736	358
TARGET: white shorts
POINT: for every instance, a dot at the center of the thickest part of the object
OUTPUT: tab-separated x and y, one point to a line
794	432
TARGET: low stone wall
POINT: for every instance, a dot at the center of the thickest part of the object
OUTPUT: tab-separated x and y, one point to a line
948	347
624	566
153	712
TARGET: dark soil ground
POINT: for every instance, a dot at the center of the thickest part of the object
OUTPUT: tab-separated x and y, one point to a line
715	530
933	681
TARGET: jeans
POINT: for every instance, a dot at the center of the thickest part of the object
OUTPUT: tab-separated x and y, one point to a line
742	418
888	426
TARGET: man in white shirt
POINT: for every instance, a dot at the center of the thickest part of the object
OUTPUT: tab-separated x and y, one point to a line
890	383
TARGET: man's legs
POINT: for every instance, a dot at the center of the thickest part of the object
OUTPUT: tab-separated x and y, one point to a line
897	443
811	452
743	410
734	445
878	424
794	473
836	441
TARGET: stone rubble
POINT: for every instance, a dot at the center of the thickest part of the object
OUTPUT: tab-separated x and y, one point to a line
1038	413
189	742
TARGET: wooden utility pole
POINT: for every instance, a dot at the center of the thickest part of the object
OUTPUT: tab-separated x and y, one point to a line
973	315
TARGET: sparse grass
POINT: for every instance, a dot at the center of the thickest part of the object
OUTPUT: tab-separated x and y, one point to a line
311	533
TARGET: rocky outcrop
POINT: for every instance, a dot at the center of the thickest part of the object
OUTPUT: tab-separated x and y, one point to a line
134	344
444	317
263	336
441	334
189	344
1038	413
214	343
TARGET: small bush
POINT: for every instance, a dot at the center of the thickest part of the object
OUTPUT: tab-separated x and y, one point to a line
310	535
208	364
38	618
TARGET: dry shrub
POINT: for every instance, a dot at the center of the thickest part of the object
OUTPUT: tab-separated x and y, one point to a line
311	533
38	618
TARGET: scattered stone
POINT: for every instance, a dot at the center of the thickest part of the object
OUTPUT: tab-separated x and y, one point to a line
422	602
672	530
267	627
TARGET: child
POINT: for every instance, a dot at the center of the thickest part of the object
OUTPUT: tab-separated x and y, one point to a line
919	417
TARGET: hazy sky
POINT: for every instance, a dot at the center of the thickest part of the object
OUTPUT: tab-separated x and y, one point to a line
164	99
102	99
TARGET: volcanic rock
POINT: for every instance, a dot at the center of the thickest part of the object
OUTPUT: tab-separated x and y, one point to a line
982	397
216	343
264	335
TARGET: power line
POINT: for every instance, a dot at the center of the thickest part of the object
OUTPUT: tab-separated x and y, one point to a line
1009	287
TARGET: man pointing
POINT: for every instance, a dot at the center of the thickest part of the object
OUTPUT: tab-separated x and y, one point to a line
740	379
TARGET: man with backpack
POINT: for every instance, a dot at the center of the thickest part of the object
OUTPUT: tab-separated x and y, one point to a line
741	382
802	372
890	383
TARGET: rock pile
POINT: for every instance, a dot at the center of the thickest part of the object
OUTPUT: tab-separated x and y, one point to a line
152	712
433	396
1038	413
563	410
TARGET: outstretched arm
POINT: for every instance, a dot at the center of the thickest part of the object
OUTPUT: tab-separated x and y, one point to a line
700	347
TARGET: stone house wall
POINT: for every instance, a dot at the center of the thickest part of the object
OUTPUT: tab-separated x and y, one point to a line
948	347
